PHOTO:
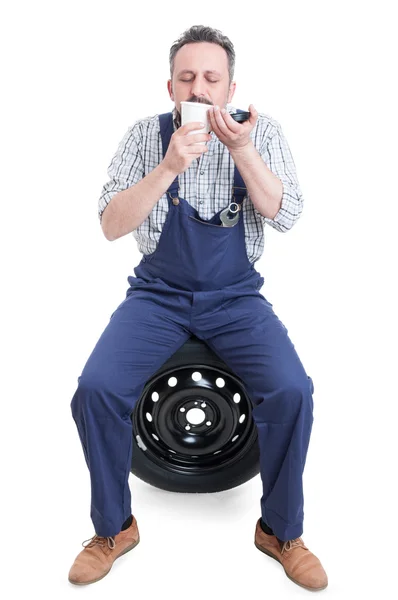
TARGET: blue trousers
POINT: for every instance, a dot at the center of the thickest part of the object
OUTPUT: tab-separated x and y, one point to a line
239	325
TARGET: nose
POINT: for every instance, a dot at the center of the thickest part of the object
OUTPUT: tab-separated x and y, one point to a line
198	88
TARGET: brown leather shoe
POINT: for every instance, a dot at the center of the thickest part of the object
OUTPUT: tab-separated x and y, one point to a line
301	566
98	556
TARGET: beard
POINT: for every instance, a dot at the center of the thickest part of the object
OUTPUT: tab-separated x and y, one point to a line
201	100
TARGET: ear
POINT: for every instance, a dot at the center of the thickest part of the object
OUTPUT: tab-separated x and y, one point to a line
232	88
170	89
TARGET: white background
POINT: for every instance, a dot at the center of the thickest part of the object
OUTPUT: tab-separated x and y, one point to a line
75	75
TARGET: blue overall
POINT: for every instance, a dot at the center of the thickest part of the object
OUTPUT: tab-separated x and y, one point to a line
198	280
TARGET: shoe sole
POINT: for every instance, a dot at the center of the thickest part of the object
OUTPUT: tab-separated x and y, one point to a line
102	576
311	589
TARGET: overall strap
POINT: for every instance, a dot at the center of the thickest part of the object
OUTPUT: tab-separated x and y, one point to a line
166	131
239	190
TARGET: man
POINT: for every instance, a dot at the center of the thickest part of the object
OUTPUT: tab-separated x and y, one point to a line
197	276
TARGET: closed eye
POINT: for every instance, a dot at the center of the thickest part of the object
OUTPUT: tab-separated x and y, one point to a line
209	80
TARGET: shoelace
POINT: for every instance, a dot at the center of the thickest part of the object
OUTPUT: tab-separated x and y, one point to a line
289	544
96	539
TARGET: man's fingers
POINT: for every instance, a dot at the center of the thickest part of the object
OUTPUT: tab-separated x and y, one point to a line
190	127
194	138
197	149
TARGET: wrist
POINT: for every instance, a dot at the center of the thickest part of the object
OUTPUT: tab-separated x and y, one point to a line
245	150
166	170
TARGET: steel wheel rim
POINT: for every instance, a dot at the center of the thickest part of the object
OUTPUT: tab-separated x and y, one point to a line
193	419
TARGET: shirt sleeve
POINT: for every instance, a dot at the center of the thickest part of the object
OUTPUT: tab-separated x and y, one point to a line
126	167
278	157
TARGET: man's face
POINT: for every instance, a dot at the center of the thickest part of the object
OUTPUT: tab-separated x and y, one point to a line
201	75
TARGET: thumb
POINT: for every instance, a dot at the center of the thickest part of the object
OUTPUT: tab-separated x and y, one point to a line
253	114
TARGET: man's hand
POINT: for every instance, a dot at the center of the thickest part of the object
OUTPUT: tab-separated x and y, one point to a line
232	134
184	147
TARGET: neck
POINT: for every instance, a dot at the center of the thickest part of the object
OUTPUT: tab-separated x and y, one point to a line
177	119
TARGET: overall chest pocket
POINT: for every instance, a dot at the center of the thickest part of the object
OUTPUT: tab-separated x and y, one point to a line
207	223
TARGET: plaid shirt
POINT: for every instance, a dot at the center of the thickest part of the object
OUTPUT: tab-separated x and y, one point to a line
207	183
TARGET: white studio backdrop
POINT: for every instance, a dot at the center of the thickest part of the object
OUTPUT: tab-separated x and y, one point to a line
76	75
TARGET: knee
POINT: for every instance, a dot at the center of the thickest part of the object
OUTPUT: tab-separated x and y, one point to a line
298	392
300	386
285	398
87	393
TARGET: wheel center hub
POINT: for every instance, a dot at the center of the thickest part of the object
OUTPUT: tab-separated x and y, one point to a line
195	416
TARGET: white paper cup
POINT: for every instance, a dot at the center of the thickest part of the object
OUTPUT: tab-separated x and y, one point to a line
195	111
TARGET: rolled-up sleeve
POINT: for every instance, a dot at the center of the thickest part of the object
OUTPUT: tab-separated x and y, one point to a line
278	157
126	167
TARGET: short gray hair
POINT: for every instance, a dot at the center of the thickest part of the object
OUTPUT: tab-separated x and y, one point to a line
200	33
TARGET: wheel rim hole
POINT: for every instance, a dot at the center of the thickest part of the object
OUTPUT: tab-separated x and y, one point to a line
242	418
236	398
220	382
155	396
172	381
196	376
149	417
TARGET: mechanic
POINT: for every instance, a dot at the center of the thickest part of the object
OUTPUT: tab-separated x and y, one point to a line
197	276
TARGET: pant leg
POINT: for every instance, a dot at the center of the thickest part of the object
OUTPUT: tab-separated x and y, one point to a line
255	344
143	332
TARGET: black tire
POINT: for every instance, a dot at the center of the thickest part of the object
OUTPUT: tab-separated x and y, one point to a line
204	458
